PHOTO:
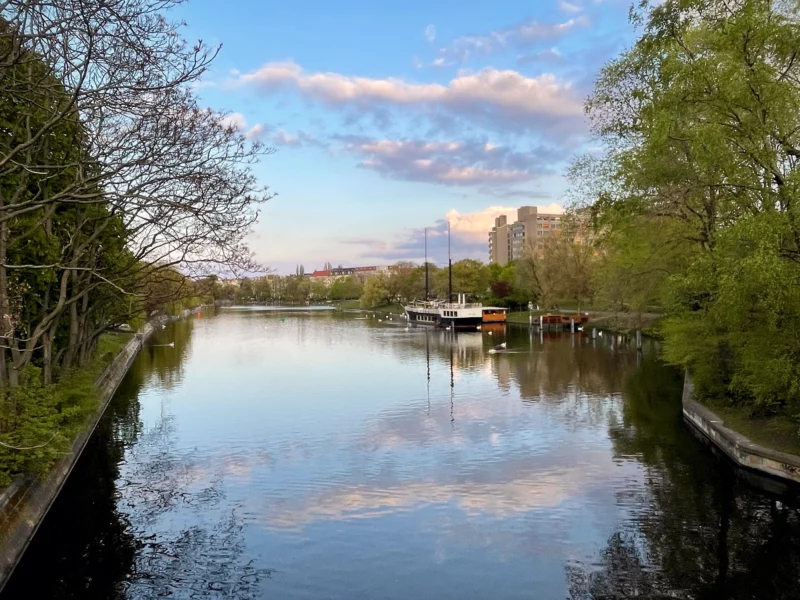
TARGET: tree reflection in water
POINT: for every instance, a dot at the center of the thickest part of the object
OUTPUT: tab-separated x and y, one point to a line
145	515
93	548
701	532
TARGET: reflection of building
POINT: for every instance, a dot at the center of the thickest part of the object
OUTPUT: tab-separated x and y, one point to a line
507	241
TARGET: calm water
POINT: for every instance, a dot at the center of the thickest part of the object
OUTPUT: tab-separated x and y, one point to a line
315	455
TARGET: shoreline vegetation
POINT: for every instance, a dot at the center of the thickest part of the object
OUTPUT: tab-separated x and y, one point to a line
122	198
55	413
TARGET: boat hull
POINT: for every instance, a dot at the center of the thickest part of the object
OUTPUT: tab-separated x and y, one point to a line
461	323
431	319
422	318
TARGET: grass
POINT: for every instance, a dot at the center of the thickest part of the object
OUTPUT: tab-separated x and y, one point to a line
346	304
39	423
778	432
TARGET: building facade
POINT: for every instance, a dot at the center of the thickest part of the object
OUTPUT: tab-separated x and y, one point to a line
508	242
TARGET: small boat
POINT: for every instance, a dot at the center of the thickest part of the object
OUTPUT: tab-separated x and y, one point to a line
495	314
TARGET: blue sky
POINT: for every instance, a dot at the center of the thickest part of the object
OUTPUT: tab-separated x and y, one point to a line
391	117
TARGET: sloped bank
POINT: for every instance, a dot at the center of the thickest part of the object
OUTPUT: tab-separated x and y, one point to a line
740	449
24	504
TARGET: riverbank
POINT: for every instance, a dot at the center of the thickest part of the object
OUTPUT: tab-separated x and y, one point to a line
770	446
616	322
25	502
355	306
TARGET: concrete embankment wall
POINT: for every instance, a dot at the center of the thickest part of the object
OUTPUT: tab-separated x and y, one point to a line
25	503
738	448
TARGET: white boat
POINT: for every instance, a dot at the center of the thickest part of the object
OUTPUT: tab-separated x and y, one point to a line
460	315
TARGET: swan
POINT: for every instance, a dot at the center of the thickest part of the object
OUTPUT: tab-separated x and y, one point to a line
498	348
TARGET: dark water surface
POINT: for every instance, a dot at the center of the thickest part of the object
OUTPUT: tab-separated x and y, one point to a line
316	455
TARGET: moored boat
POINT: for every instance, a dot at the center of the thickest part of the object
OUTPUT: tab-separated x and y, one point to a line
495	314
459	315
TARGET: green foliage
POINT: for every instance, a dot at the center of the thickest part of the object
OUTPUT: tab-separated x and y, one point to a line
46	419
347	288
696	201
375	292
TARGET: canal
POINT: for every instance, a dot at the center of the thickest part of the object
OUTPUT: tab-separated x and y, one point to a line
308	454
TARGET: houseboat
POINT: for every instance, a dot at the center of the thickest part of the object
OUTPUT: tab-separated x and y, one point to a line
459	315
451	315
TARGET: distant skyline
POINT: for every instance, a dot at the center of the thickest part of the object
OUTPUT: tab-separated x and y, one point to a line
392	118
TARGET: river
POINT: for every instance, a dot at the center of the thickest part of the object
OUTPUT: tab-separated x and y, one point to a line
308	454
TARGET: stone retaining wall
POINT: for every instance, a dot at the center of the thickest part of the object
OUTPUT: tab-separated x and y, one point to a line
25	503
738	448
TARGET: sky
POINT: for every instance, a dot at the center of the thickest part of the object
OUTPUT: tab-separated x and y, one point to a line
390	118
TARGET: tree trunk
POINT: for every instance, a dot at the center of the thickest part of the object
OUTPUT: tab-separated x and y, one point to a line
72	342
6	324
47	359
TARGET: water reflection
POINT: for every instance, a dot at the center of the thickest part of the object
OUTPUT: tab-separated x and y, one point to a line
315	455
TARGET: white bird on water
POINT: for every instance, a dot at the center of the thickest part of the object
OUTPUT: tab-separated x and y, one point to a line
498	348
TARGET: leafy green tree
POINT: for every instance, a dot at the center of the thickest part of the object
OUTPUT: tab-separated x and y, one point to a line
375	292
346	288
320	290
697	196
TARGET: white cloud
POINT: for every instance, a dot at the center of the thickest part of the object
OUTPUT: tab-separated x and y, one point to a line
502	97
569	7
256	131
430	33
236	120
475	225
549	56
520	35
286	139
301	139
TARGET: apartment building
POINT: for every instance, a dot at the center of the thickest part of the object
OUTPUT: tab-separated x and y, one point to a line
361	273
507	241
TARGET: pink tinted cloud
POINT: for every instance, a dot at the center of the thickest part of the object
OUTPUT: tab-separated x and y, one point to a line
454	163
503	97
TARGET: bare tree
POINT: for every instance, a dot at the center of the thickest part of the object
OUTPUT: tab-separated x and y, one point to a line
106	141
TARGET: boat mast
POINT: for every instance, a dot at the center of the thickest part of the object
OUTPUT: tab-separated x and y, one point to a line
426	264
449	267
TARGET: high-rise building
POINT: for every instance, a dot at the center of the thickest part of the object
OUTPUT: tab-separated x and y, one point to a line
498	241
532	228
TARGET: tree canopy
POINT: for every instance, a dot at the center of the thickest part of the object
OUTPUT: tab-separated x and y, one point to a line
696	198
